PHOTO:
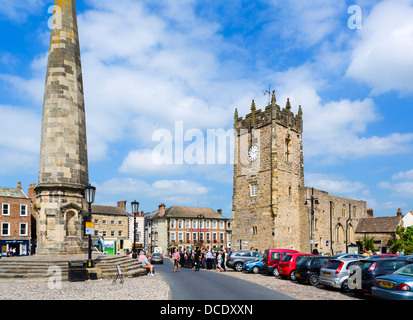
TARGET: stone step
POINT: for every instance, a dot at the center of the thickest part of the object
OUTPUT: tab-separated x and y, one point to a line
14	268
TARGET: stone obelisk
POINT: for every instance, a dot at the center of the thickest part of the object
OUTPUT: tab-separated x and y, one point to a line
63	169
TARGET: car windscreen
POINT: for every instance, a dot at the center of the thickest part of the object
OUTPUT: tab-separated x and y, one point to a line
405	271
332	265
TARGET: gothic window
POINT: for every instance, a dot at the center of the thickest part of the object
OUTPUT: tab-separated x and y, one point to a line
343	211
254	230
339	233
354	213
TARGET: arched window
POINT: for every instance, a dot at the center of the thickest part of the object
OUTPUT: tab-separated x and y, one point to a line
339	233
343	211
354	213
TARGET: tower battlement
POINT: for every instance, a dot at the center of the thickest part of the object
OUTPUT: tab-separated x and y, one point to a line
258	118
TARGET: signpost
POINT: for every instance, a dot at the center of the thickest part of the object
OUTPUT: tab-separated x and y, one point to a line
90	228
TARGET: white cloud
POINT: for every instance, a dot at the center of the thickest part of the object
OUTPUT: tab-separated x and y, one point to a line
336	185
335	129
382	54
403	175
17	11
172	191
306	23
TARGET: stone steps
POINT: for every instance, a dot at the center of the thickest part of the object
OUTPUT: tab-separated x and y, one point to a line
17	268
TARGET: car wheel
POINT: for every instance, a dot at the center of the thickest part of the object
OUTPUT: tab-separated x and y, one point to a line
314	279
344	286
275	272
292	275
238	266
255	270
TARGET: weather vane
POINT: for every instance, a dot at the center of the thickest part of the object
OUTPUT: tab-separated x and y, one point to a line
268	92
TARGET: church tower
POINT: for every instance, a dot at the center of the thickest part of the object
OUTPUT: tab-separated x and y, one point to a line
63	168
268	178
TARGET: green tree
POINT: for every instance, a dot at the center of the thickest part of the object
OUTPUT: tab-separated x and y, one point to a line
404	240
368	243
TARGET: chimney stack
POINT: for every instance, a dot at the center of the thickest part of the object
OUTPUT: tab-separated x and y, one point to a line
370	213
399	212
161	210
19	185
122	204
219	211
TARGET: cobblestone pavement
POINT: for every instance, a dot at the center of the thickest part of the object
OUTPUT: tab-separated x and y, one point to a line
291	288
140	288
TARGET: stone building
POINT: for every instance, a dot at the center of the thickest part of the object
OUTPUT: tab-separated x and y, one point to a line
269	194
113	223
382	229
15	220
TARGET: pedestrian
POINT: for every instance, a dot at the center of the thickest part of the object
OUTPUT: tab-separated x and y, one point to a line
315	251
101	241
146	265
219	262
176	260
214	259
224	255
189	259
209	258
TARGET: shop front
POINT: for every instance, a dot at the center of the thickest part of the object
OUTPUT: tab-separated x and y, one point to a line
20	246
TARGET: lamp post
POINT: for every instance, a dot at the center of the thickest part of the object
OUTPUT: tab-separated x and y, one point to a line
135	210
313	200
199	216
90	198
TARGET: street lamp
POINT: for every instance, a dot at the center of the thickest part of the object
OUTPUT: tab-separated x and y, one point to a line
313	200
90	198
135	210
200	216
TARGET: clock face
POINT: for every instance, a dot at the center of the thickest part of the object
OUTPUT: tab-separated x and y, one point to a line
253	152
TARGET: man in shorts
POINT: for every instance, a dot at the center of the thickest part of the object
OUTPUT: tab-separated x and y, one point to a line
146	265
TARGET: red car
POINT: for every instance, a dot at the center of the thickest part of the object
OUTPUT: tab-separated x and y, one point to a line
286	268
272	257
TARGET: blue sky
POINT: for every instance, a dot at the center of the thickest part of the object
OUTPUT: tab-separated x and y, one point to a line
149	65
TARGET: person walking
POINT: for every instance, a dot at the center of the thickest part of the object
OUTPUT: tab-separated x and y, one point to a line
219	262
197	259
224	255
101	241
209	258
176	257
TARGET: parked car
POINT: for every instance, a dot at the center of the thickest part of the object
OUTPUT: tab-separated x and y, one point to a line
237	258
286	267
396	286
337	272
156	258
349	255
254	266
272	258
372	268
382	256
308	269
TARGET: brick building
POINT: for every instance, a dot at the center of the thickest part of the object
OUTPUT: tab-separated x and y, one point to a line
183	227
15	220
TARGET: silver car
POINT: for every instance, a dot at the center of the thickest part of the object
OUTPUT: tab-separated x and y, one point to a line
336	273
